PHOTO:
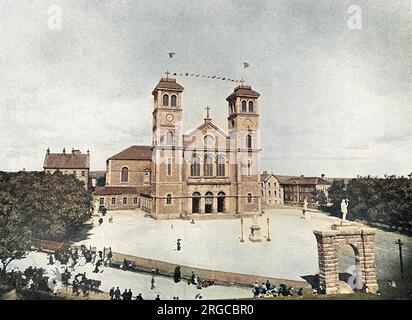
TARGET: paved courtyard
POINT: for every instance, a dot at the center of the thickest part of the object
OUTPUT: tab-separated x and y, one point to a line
214	244
138	282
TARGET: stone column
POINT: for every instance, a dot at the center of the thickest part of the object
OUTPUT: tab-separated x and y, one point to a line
368	263
328	274
202	204
214	209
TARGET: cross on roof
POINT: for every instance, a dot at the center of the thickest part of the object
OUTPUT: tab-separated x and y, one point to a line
207	110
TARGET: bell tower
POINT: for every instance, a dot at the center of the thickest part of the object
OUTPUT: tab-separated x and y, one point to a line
244	132
167	151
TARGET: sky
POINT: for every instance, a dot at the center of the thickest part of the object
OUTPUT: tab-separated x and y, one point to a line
336	91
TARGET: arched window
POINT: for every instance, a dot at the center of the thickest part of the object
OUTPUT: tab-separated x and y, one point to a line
125	174
249	141
220	166
208	166
244	106
169	138
195	166
174	101
169	199
165	100
249	198
250	106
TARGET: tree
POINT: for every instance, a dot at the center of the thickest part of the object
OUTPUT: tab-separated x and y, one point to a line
319	197
15	235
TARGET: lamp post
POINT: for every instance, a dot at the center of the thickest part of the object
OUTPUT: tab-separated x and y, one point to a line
268	238
400	244
241	230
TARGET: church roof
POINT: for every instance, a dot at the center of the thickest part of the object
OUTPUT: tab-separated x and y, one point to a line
207	124
74	160
243	91
115	191
168	83
118	191
134	153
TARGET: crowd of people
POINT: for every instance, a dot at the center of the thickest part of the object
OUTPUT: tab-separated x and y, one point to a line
269	290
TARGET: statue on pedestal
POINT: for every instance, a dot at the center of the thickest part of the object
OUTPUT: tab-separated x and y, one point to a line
344	208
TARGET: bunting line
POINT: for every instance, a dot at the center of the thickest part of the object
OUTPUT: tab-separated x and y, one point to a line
187	74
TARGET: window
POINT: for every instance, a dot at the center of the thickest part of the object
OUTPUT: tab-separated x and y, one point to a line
244	106
83	173
208	140
174	101
169	199
169	138
249	168
165	100
249	141
249	198
135	201
220	166
169	166
208	166
270	193
125	174
250	106
124	201
113	201
195	166
101	202
74	173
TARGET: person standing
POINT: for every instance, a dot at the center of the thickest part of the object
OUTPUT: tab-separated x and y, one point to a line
152	283
117	294
111	293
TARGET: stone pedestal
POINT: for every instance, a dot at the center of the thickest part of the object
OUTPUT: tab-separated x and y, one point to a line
255	235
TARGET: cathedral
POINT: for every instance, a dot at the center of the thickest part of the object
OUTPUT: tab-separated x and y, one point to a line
207	172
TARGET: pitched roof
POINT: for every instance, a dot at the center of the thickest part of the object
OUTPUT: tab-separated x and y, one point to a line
134	153
66	161
307	180
168	83
243	91
283	178
114	191
118	191
207	124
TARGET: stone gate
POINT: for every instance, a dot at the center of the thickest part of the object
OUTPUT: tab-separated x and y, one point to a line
362	242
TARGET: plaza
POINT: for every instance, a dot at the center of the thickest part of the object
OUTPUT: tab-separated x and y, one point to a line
215	244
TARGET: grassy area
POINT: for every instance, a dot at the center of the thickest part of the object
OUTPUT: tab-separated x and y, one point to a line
403	291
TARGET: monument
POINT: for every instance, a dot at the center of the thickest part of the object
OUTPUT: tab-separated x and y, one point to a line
362	242
255	235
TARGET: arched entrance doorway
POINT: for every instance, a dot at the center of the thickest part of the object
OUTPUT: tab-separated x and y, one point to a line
195	202
209	202
348	267
221	202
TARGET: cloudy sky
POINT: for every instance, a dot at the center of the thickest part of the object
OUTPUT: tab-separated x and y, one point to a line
334	100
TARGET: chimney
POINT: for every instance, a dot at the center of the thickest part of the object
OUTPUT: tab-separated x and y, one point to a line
72	151
323	176
88	151
302	175
48	151
64	150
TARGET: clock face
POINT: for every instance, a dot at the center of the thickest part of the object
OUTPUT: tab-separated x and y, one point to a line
170	117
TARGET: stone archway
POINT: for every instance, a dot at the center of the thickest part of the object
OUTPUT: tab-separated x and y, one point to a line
361	240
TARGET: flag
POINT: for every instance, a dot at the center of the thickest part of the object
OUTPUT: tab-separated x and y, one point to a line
246	65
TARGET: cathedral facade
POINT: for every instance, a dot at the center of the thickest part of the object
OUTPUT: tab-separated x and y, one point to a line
206	172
